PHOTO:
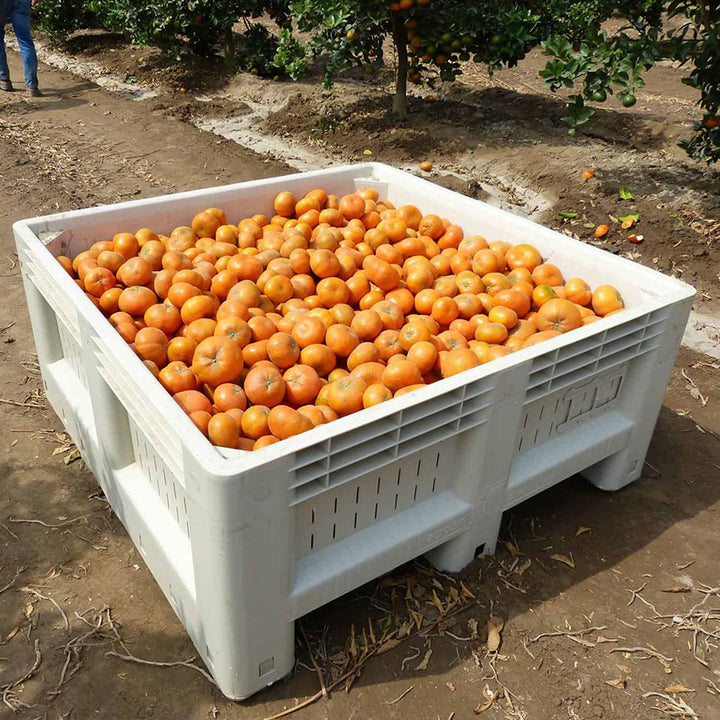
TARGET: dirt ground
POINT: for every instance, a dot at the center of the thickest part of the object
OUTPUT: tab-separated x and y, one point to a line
648	555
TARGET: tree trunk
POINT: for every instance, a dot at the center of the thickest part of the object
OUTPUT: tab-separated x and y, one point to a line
229	50
399	34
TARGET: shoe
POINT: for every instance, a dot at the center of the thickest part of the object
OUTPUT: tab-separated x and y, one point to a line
33	92
6	85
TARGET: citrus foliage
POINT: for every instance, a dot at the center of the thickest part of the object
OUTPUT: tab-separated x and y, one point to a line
430	40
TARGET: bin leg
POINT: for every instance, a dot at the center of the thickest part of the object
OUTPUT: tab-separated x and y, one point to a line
455	554
242	547
642	396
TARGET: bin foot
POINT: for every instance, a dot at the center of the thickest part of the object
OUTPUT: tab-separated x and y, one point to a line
616	471
456	554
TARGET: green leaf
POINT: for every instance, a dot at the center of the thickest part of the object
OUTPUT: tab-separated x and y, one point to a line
634	217
625	194
568	215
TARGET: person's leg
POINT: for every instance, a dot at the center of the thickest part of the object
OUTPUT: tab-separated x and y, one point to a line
4	15
20	18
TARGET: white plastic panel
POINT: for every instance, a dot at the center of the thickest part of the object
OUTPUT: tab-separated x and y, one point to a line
355	505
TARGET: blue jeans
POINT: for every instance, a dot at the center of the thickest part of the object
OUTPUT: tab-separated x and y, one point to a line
18	13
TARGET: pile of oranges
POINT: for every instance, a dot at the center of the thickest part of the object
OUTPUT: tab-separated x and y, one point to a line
266	328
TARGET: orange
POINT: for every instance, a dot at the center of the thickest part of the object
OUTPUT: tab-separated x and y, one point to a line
217	360
605	299
560	315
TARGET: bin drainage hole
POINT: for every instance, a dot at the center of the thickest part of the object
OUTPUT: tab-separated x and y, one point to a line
376	509
396	499
479	550
334	529
266	666
312	541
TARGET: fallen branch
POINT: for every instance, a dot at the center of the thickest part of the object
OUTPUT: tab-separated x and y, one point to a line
49	525
676	707
564	633
314	662
49	599
7	689
315	697
177	663
650	653
400	697
360	664
5	401
18	572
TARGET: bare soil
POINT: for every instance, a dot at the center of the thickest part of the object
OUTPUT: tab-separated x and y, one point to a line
81	146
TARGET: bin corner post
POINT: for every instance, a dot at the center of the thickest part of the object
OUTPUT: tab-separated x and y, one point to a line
483	471
42	318
109	416
241	531
642	397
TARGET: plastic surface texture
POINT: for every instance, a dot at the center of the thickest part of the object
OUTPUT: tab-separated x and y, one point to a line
243	543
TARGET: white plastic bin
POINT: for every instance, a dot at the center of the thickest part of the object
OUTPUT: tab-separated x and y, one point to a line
244	543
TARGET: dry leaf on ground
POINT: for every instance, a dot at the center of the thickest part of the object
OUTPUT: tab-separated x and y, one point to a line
564	559
495	626
676	688
618	683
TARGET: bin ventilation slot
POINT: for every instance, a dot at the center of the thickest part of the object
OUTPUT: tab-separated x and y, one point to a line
553	413
143	414
56	297
373	445
565	366
325	515
160	478
72	353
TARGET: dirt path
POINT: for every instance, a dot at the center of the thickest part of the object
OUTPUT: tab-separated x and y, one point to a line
80	146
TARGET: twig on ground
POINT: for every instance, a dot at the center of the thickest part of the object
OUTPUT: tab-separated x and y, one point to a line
7	327
314	662
73	649
565	633
18	572
7	694
712	685
650	653
21	404
315	697
9	531
177	663
50	525
400	697
637	596
49	599
355	670
676	707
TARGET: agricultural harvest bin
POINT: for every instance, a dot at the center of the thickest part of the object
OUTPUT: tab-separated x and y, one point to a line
244	543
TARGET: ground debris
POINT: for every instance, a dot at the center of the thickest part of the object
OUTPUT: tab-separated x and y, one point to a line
495	627
618	683
9	697
564	559
675	707
567	633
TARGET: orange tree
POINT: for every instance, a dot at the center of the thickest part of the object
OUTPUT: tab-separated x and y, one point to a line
431	39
